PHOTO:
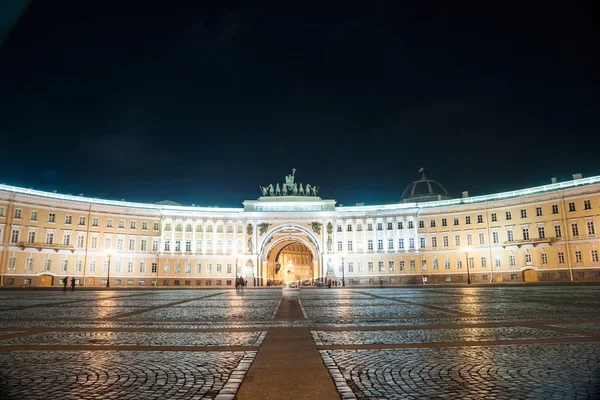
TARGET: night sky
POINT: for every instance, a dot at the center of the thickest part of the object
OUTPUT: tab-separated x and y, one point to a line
202	105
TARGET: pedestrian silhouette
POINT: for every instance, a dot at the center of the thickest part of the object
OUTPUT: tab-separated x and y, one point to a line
72	284
65	281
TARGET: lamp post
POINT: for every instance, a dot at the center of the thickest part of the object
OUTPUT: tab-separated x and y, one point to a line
108	253
467	250
343	273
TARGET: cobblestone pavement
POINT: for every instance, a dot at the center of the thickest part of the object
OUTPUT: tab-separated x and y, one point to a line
435	335
119	375
521	342
537	371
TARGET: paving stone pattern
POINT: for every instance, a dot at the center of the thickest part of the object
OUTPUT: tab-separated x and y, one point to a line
516	342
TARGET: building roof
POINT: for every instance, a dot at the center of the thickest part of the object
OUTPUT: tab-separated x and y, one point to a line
424	190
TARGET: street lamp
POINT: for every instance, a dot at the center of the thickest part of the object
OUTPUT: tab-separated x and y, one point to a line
108	254
467	250
343	273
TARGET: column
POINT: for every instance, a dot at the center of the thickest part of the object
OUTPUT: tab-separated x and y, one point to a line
194	237
254	237
355	242
234	247
173	224
214	237
203	249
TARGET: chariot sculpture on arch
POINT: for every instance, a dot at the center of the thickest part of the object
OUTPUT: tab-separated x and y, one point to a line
289	188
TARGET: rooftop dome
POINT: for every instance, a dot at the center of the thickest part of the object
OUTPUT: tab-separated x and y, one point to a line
424	190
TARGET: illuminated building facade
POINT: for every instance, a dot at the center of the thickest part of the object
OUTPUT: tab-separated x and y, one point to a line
545	233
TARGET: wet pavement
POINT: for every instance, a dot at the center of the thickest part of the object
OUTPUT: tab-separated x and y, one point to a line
522	342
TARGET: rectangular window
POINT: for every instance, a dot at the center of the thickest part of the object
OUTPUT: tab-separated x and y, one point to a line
131	244
81	220
219	268
80	240
370	244
392	266
92	266
457	240
432	223
63	265
447	263
350	267
590	227
422	242
121	223
436	265
119	267
578	257
47	264
349	228
525	233
413	265
554	208
349	245
498	262
401	243
527	258
188	268
544	258
371	267
177	268
95	221
28	264
18	213
109	223
523	213
379	226
340	245
508	216
144	225
130	267
410	225
68	219
512	260
469	239
369	227
481	239
571	207
541	232
339	228
561	257
455	221
421	224
361	267
494	217
400	225
31	237
390	226
1	212
49	237
557	231
155	245
209	268
444	222
381	266
483	262
198	246
575	229
480	219
120	243
424	264
144	245
468	219
12	262
359	227
167	245
34	216
156	226
445	241
411	243
188	245
166	268
402	266
66	239
379	244
538	211
390	243
154	268
594	255
587	205
495	237
133	225
434	242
